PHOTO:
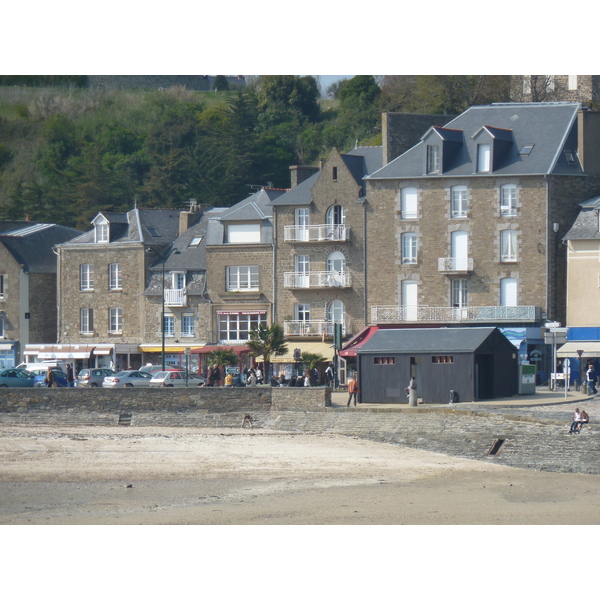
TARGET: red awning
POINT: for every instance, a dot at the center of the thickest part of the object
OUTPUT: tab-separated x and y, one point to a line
357	341
209	349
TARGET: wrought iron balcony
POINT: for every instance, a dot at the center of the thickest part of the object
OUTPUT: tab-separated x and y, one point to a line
455	265
317	279
449	314
316	233
175	298
310	328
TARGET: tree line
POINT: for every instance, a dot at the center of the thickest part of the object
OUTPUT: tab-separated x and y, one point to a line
67	152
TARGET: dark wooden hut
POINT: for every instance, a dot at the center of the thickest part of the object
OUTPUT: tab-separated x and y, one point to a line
476	363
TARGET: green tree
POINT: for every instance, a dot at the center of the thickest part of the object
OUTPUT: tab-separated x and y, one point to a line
221	84
312	361
267	342
222	358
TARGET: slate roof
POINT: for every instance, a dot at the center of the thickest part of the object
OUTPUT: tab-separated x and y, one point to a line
551	127
256	207
151	226
360	162
418	341
31	244
586	226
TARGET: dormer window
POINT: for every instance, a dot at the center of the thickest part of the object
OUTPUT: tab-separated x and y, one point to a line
101	230
433	159
484	156
243	233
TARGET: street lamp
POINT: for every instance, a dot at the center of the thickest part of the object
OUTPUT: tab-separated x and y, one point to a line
163	258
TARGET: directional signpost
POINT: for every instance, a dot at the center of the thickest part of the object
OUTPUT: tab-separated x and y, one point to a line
555	335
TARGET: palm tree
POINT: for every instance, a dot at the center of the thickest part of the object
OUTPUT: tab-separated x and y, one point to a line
312	361
267	341
222	358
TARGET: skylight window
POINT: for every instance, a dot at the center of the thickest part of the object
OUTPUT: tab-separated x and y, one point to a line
153	231
570	157
526	149
196	241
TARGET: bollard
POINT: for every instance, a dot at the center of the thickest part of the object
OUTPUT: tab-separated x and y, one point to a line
412	397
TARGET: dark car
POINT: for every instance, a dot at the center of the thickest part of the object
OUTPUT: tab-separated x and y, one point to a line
59	377
16	378
93	377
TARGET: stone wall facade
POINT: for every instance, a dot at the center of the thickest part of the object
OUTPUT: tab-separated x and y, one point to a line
335	186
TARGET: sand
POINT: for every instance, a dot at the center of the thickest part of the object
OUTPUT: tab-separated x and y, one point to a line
152	476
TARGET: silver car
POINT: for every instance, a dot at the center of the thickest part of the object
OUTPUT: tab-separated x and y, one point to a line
127	379
93	377
175	379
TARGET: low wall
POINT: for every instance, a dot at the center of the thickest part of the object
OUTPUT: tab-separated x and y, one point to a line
164	399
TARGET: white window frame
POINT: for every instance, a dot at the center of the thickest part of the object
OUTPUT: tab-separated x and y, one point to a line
409	248
460	293
242	278
188	325
336	262
86	277
169	325
409	203
177	280
409	299
236	327
506	298
86	321
508	200
115	276
243	233
115	320
336	312
508	245
101	233
433	158
335	215
484	158
302	312
458	202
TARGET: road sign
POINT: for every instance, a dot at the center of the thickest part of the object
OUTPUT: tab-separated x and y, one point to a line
187	351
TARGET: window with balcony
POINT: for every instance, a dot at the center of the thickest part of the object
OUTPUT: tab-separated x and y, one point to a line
236	326
508	200
409	248
409	300
336	312
301	270
169	325
115	320
302	312
115	276
86	321
408	202
335	215
460	249
458	208
177	280
459	293
242	279
86	277
187	325
508	245
508	292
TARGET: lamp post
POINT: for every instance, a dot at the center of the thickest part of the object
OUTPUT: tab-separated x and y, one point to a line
163	259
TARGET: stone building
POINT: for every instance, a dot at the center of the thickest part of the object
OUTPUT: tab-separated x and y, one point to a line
465	227
27	285
102	277
239	260
552	88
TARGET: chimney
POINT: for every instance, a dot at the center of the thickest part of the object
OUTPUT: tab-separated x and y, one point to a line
300	173
190	217
588	136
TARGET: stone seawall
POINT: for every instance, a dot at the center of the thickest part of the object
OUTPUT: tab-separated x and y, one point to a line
222	399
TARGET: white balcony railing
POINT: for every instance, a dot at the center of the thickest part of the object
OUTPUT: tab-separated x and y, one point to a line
175	298
310	328
316	233
449	314
455	265
317	279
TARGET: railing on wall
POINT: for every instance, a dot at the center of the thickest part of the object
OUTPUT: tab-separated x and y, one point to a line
316	233
449	314
317	279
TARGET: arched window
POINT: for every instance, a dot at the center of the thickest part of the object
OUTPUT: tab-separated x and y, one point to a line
336	312
335	215
336	261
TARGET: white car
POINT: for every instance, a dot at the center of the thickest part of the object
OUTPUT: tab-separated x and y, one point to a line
127	379
175	379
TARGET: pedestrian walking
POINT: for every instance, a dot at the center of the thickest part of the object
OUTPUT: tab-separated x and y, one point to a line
591	380
412	385
353	390
70	378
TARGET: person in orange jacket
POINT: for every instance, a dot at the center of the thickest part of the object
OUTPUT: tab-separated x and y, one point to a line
353	389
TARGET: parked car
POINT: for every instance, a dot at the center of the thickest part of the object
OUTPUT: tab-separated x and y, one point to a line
127	379
155	368
175	379
93	377
60	378
16	378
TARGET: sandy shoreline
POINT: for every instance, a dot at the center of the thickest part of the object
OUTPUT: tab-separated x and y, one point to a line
91	475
